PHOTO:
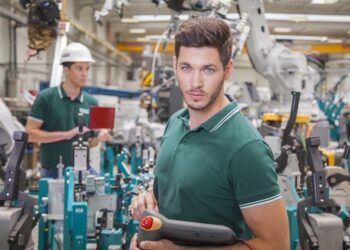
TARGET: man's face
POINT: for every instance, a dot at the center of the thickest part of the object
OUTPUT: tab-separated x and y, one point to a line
201	76
77	73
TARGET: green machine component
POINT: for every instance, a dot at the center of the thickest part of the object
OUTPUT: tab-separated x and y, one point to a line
42	208
293	227
111	238
132	228
75	216
107	161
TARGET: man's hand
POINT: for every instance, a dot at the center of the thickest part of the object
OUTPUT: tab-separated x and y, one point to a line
104	135
74	131
144	200
153	245
36	134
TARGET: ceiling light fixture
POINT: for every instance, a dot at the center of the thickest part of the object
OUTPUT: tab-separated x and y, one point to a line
335	41
269	17
129	20
282	29
158	18
300	38
137	31
308	18
142	39
323	1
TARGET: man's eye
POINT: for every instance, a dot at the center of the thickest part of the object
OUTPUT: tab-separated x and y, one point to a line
185	68
209	70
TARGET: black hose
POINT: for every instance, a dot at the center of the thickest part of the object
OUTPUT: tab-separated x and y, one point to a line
292	117
282	159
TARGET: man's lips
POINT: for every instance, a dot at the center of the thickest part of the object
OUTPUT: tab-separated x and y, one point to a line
196	95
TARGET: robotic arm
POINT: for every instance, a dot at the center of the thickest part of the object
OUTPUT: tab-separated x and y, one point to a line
285	70
109	5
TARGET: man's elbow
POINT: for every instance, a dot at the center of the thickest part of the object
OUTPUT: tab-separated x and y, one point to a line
282	242
285	244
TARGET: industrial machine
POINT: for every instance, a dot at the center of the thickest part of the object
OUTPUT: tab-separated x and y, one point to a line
16	207
319	229
84	211
333	107
8	125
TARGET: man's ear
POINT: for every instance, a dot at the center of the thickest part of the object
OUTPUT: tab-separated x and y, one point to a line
229	69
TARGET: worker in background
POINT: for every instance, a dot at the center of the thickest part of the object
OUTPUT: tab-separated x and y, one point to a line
213	166
53	120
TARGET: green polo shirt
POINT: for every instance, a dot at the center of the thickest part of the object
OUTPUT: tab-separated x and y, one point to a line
58	112
210	173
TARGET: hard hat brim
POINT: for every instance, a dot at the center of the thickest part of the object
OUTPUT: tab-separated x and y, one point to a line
74	60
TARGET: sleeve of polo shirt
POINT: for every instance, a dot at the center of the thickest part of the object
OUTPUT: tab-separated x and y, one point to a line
254	176
39	108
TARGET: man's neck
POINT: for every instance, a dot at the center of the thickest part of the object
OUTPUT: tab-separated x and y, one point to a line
71	90
197	117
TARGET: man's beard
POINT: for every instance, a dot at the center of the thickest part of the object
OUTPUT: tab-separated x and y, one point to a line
212	98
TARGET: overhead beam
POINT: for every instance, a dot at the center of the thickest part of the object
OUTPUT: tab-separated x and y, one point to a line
326	48
321	48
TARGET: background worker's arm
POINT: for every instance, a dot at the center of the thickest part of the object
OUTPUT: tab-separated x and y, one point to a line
36	134
103	135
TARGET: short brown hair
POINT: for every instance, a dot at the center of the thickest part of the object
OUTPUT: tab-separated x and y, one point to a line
67	64
205	32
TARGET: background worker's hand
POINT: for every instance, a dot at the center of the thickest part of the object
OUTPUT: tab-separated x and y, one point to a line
104	135
144	200
153	245
73	132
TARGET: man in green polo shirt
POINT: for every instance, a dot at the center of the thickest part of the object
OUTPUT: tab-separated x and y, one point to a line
213	166
53	120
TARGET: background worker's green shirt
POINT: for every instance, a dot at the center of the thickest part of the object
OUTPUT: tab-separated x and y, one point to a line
208	174
59	113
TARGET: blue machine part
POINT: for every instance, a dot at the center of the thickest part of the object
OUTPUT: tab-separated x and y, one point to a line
293	227
121	158
107	162
111	237
43	209
75	216
132	228
97	90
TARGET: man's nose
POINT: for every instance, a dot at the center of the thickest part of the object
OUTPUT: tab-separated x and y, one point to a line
197	79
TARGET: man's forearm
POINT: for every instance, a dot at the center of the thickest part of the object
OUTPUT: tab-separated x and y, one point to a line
41	136
238	246
256	244
93	142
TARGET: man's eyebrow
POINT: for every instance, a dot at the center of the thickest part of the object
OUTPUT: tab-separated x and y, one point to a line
210	65
203	66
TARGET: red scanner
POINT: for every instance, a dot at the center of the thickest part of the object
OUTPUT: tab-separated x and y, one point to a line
101	117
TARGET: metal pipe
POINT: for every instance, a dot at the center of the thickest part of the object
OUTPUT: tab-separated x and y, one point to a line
12	16
109	68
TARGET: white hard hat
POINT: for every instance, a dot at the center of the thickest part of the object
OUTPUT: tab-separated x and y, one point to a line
76	52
